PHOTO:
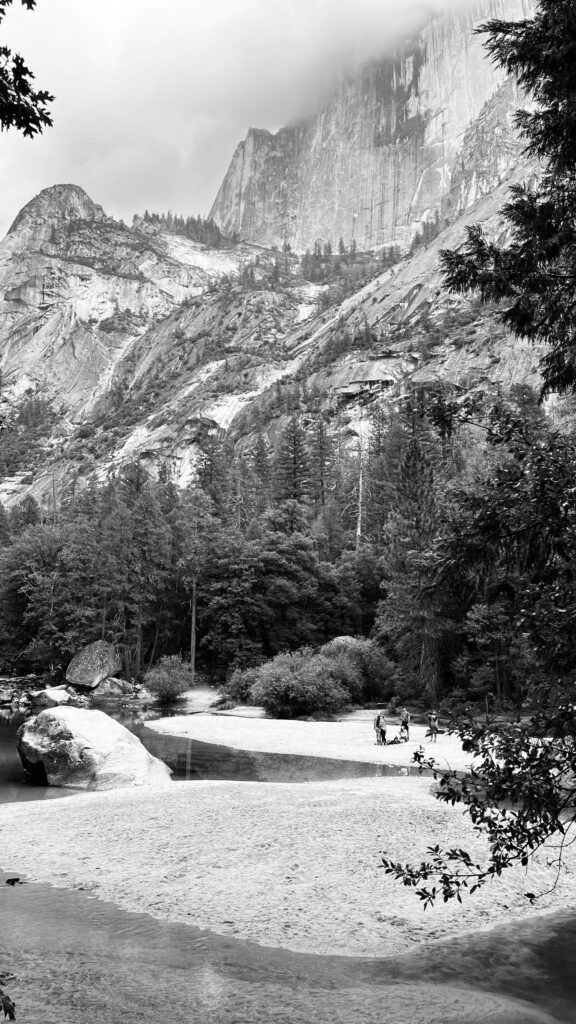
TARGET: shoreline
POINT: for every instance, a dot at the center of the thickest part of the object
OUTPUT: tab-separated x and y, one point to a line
350	739
289	865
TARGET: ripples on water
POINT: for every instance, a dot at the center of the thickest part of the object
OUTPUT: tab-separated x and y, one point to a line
84	961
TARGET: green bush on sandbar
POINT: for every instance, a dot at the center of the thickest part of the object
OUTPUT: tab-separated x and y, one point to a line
168	679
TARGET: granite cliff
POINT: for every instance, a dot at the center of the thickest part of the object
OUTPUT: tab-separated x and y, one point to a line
144	344
76	287
381	157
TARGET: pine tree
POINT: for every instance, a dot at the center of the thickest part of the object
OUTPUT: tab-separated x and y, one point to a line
291	464
321	463
534	275
406	616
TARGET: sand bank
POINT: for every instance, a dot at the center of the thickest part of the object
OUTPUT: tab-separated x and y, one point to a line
295	866
351	739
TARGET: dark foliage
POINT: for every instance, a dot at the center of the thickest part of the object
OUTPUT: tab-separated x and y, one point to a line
198	229
533	276
21	106
520	792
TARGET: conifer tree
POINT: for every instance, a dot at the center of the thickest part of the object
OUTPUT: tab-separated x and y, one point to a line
321	462
291	464
534	275
406	616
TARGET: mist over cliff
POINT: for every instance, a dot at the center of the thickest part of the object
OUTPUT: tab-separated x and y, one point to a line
378	160
149	108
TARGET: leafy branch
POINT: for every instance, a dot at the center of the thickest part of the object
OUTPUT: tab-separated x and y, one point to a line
519	791
21	106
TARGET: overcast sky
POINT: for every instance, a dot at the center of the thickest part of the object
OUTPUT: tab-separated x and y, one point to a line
151	98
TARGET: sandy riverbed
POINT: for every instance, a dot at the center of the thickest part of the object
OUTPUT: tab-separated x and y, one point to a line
284	865
351	739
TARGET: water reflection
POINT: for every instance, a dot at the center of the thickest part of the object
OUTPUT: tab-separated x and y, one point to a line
188	759
15	785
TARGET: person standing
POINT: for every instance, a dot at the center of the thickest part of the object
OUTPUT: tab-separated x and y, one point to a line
380	729
433	725
404	724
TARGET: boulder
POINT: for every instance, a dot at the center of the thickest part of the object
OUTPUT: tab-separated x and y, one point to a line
51	697
68	746
110	688
93	663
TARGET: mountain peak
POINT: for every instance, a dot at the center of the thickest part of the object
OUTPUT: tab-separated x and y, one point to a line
54	205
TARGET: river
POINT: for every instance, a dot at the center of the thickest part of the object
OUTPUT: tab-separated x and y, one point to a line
78	959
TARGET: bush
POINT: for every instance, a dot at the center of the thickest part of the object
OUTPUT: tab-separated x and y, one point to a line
238	688
299	684
362	667
168	679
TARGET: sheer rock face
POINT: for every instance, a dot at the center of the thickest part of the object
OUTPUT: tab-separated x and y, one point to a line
86	750
379	159
92	664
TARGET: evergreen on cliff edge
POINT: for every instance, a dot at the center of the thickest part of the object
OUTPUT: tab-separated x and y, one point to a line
534	275
521	792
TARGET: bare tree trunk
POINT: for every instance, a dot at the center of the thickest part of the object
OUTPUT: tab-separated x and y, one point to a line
138	652
154	645
193	633
360	504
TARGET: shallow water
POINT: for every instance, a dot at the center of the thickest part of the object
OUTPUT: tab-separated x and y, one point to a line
188	759
103	964
79	960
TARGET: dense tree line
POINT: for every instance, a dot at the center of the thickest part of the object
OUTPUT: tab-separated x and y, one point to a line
198	229
447	535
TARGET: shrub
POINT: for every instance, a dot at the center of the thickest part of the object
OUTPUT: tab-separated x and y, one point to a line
371	676
238	688
299	684
168	679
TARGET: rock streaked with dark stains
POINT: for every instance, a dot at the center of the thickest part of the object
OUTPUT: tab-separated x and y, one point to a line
92	664
86	750
378	160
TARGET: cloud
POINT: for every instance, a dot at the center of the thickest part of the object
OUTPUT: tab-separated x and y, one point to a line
151	100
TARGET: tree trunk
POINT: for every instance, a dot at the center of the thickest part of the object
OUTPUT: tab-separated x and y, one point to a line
155	644
360	505
193	634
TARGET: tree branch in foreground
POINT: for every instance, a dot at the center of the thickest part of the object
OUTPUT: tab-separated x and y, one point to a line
519	791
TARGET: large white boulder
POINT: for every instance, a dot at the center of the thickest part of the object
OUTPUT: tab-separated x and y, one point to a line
86	750
51	697
93	663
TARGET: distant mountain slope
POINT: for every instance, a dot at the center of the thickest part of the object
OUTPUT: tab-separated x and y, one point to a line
76	287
